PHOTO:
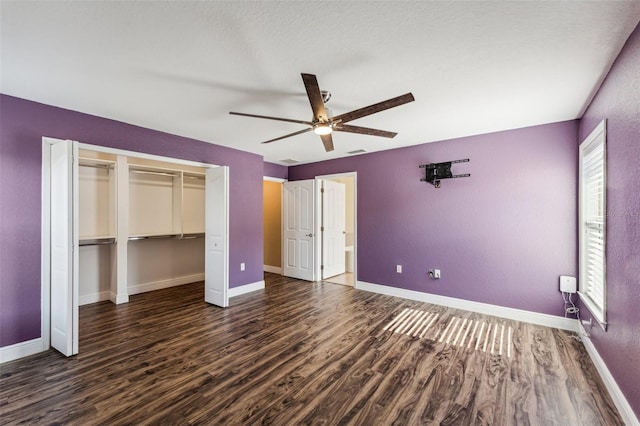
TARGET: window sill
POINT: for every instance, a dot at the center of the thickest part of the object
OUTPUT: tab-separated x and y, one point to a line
597	313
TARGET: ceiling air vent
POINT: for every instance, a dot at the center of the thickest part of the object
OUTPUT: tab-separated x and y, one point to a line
289	161
357	151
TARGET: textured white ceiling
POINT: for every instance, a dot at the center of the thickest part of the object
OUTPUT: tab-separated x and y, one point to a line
180	67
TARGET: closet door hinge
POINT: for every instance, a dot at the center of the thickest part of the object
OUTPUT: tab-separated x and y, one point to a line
321	267
322	229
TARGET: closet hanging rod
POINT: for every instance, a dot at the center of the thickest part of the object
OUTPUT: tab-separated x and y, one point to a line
148	172
194	177
96	242
152	237
96	165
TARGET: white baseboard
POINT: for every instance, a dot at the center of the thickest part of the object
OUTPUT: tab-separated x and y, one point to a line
22	349
158	285
118	299
483	308
272	269
247	288
618	397
87	299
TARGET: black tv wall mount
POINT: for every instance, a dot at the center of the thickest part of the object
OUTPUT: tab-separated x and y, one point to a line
434	172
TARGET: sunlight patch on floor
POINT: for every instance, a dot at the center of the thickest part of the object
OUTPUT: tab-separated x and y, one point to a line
481	335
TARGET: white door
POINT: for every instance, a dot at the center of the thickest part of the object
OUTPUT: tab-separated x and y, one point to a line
333	228
298	229
216	266
64	249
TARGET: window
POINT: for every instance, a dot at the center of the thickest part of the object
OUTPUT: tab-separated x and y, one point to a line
592	225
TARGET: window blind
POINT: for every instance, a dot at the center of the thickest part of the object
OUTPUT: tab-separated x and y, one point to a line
592	223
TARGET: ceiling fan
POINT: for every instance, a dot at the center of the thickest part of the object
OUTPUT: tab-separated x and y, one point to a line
323	124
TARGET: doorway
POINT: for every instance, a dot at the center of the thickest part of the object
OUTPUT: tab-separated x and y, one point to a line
316	245
348	276
272	224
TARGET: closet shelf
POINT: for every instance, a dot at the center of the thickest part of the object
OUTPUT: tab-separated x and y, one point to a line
194	176
152	237
161	171
96	163
96	241
190	236
155	173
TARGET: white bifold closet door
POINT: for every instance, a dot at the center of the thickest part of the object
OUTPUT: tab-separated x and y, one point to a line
217	237
64	248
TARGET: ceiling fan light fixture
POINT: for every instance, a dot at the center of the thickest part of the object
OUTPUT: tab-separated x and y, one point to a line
322	129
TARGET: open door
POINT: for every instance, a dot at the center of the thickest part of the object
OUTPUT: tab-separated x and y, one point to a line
64	248
333	228
298	229
216	264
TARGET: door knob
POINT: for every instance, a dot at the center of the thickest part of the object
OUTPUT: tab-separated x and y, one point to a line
309	235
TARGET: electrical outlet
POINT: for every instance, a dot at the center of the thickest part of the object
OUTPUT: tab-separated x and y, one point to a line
399	269
434	274
242	266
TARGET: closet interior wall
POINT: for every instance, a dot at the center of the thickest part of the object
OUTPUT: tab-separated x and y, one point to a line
141	226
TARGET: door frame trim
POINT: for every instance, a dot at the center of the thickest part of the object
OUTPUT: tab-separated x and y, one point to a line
281	181
318	214
272	179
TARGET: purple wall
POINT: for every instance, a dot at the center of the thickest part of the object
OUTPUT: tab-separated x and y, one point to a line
276	171
502	236
618	100
22	125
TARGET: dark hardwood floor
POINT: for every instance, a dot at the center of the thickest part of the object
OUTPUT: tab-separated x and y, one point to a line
305	353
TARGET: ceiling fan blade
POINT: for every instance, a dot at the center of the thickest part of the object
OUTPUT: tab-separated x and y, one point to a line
364	131
372	109
299	132
308	123
315	97
327	141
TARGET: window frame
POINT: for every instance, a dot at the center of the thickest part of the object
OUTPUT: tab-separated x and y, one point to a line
598	308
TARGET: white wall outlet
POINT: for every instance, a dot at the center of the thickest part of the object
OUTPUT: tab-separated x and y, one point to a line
568	284
434	274
242	266
399	269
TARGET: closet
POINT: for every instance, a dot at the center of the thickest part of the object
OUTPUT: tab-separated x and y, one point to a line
117	222
96	227
141	225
